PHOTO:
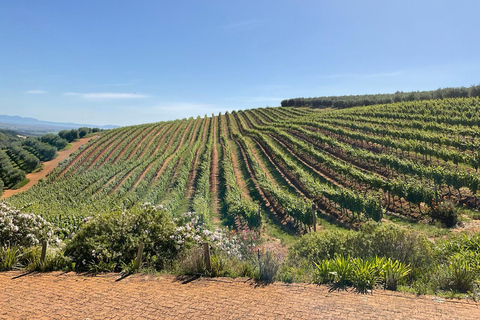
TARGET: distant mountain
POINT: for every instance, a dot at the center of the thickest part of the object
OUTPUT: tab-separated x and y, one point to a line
35	127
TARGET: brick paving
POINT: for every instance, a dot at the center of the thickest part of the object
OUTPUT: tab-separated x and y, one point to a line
71	296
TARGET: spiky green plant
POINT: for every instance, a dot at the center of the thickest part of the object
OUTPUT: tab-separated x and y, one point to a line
365	275
394	273
324	272
8	258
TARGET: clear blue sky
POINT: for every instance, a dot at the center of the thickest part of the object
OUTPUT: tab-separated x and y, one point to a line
128	62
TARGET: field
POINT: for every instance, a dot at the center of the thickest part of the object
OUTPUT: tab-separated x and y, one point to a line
408	161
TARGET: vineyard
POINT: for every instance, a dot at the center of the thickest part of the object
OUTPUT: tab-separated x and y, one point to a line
404	159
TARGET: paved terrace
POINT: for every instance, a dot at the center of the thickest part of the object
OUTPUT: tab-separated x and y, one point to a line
71	296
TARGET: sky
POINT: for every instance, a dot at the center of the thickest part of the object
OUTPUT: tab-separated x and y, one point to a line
130	62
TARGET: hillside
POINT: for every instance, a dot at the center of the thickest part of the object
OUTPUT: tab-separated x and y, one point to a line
414	160
20	155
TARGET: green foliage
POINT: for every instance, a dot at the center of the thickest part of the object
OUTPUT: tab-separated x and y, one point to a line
54	260
220	265
42	150
54	140
7	138
24	159
112	239
353	164
268	266
459	267
391	241
236	204
342	270
369	99
21	156
191	261
286	274
69	135
372	240
317	246
74	134
393	271
362	274
366	275
458	274
8	257
82	132
445	212
9	174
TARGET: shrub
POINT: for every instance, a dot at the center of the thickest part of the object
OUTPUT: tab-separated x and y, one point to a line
268	266
191	262
42	150
317	246
221	265
111	240
459	243
192	230
390	241
54	260
8	258
23	229
457	274
286	274
9	174
372	240
446	212
459	267
69	135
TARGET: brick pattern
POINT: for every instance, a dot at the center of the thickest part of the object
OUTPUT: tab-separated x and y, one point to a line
71	296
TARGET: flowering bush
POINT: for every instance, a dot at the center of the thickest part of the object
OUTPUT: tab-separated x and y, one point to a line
191	229
23	229
445	212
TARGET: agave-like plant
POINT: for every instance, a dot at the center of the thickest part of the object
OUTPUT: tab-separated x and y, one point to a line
8	258
461	274
343	268
394	273
324	273
366	275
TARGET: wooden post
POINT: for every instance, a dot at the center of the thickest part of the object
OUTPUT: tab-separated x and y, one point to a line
259	262
138	261
44	251
314	216
259	220
206	256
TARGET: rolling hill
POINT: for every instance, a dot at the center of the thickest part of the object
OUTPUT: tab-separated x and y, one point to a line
402	159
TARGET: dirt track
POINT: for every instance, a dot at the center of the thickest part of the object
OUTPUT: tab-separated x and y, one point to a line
70	296
47	168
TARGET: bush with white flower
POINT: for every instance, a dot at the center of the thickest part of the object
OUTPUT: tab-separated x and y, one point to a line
23	229
191	229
